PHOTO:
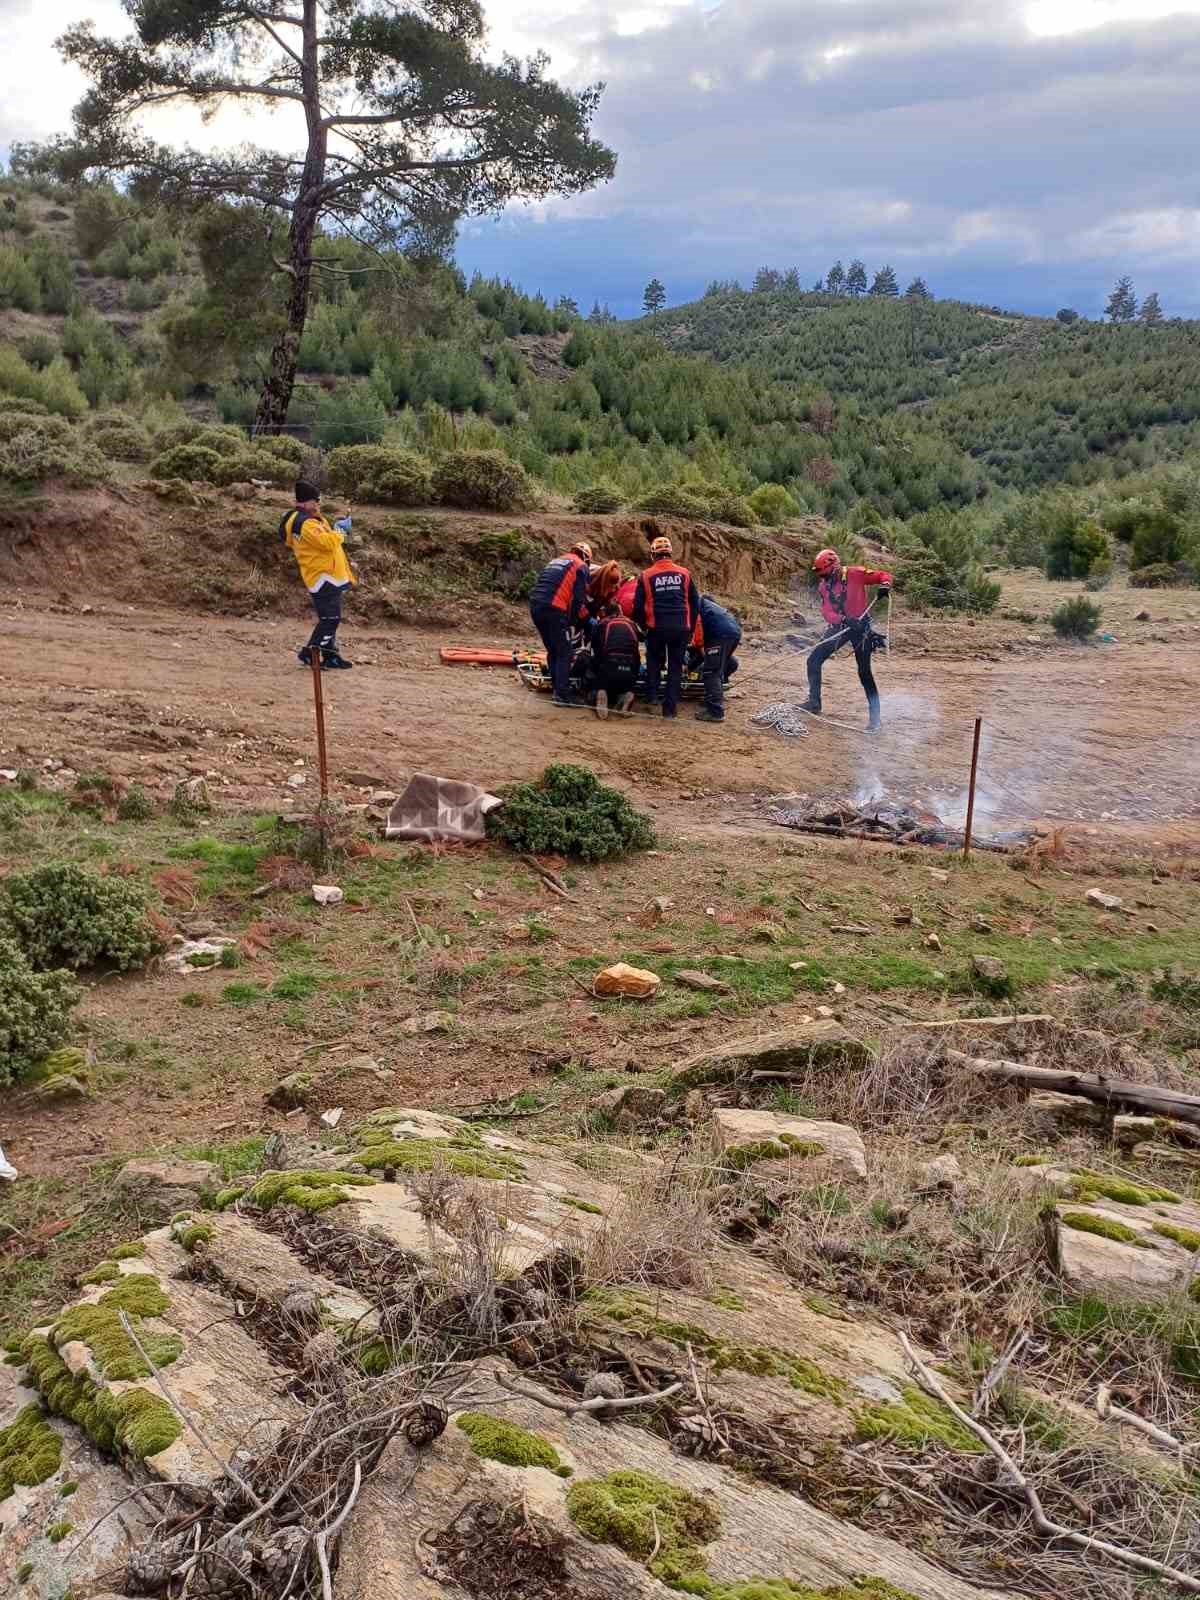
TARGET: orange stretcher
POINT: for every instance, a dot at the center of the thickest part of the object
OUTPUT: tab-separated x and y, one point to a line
453	655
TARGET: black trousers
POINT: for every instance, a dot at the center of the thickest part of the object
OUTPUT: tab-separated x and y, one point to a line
668	648
858	637
714	669
551	624
614	680
327	603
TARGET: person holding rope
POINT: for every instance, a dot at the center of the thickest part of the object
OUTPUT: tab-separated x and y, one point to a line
843	595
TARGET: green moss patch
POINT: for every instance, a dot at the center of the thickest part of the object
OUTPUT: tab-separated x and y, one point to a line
727	1299
784	1589
577	1204
135	1423
310	1191
1088	1185
126	1252
191	1234
495	1440
641	1513
914	1423
1189	1238
1104	1227
105	1272
780	1147
760	1360
99	1327
30	1451
467	1156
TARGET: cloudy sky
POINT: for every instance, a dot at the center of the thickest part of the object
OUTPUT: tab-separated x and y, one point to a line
1022	152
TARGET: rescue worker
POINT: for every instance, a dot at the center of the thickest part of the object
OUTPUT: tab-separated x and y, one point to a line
320	554
616	659
716	636
843	595
557	605
665	604
625	595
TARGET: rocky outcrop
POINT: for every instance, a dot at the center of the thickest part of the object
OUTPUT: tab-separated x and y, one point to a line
757	1140
817	1045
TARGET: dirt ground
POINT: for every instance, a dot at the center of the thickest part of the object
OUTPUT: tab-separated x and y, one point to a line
1102	735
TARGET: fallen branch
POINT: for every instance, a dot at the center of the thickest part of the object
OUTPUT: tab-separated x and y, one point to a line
1026	1020
1108	1412
321	1540
1115	1093
600	1403
1042	1523
548	876
996	1375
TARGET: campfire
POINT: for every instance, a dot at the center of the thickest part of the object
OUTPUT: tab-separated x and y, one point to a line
899	821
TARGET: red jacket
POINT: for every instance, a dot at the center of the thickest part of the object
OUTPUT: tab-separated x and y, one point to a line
625	594
844	595
563	585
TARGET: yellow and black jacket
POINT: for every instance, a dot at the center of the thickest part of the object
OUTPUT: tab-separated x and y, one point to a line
318	549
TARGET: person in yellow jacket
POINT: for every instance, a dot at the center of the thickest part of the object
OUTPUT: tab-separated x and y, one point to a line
318	547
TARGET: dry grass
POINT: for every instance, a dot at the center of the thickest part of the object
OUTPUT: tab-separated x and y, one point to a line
664	1231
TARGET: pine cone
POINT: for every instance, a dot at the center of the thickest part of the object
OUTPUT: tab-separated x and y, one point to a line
279	1554
149	1567
609	1384
426	1423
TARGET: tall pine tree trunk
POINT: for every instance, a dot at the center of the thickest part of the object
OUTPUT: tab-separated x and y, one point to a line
276	396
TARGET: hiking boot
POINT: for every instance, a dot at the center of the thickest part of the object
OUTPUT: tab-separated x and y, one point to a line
625	703
669	714
812	706
555	700
705	715
305	656
331	661
602	704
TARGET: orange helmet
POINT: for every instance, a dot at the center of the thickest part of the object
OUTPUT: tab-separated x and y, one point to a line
660	546
583	550
826	561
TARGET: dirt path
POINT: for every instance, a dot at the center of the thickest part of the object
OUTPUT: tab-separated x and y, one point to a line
1103	736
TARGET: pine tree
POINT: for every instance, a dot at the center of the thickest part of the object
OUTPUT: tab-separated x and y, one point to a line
1151	310
567	306
409	126
791	281
885	282
835	279
596	314
655	297
766	279
856	278
1122	302
918	289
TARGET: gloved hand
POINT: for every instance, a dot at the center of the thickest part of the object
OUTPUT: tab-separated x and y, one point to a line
885	588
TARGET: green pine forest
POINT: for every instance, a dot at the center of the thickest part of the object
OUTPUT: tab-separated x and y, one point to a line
965	437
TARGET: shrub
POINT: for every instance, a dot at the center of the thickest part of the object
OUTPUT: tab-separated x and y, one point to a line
265	464
19	286
55	429
35	1011
482	480
61	915
1073	550
1158	575
773	505
119	438
568	811
39	350
352	414
33	449
598	499
672	500
195	462
223	441
22	406
380	473
56	388
1076	619
280	444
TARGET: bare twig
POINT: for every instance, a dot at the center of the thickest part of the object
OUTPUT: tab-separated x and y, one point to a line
134	1494
996	1375
321	1541
657	1539
1042	1523
225	1465
1108	1412
599	1403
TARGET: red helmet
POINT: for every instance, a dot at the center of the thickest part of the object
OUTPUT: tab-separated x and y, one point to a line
826	561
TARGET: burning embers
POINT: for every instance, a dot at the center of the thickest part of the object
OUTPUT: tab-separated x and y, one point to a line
898	821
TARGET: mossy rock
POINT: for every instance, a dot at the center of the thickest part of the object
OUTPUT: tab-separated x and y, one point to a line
191	1234
915	1422
135	1422
103	1272
493	1439
648	1518
99	1327
468	1158
819	1046
30	1451
1103	1227
1087	1185
309	1191
1189	1238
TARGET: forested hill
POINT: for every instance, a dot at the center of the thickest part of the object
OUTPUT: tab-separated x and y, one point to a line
1032	400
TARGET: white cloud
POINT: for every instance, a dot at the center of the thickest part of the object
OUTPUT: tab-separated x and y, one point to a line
1047	18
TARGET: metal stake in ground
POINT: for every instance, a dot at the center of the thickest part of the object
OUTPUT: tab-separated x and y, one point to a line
971	791
319	706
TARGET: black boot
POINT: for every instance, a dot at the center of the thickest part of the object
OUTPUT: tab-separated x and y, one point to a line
305	656
812	704
331	661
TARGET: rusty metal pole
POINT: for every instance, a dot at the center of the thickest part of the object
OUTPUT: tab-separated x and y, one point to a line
319	705
971	791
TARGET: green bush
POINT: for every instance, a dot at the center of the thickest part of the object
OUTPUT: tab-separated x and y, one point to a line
19	286
569	812
56	430
118	437
380	473
598	499
265	464
773	505
673	500
35	448
1158	575
280	444
1161	536
56	388
39	350
62	915
1074	550
222	441
351	414
1076	619
22	406
194	462
482	480
35	1011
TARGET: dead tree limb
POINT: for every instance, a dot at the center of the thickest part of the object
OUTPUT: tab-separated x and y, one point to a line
1043	1524
321	1541
1117	1094
600	1403
1108	1412
1028	1020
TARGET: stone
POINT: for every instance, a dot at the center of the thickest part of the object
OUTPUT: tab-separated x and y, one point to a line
990	969
296	780
701	981
1141	616
932	942
1068	1110
943	1172
938	874
775	1137
292	1092
429	1022
1089	1263
631	1104
1106	902
163	1187
192	794
823	1043
333	1117
369	1065
196	955
631	983
327	894
981	925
